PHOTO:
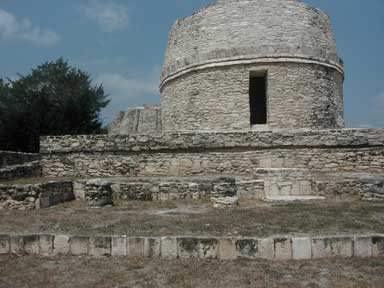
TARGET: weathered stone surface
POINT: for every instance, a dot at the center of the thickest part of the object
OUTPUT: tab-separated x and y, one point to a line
61	245
378	246
46	244
301	248
362	247
252	189
119	246
79	245
31	244
224	202
100	246
332	247
138	120
31	169
98	193
35	196
239	154
342	247
8	158
135	247
205	82
169	247
266	248
5	244
17	244
283	248
197	247
152	247
227	249
247	248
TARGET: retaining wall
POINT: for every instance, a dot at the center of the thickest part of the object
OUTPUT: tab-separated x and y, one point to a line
226	248
232	153
35	196
26	170
8	158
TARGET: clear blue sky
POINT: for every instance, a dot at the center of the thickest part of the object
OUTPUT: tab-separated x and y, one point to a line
121	43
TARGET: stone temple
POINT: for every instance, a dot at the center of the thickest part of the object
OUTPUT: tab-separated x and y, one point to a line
250	64
251	107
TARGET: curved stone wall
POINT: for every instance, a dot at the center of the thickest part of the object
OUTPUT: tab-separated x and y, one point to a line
210	55
298	96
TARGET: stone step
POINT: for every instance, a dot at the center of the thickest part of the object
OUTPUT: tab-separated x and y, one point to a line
224	248
293	198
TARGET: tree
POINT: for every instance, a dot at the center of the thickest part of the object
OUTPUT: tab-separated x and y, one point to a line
54	99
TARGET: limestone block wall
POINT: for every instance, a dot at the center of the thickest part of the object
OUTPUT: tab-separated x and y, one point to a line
250	29
211	55
35	196
231	153
26	170
172	247
137	120
298	95
8	158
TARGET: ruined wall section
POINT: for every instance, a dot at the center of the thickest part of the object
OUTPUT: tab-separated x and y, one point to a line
232	153
137	120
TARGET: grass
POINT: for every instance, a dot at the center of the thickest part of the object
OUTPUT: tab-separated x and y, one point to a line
198	218
72	272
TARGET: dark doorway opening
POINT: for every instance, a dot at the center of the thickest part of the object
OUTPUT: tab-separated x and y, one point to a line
258	98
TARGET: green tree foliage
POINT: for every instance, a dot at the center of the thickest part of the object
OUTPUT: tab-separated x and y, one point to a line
54	99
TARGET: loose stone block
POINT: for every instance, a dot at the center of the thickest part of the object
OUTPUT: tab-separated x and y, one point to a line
5	244
283	248
17	244
363	247
100	246
31	244
135	247
168	247
378	246
119	246
152	247
79	245
61	245
46	244
227	249
301	248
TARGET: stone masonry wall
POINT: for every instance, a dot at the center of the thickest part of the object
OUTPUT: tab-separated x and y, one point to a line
239	153
8	158
249	29
35	196
138	120
184	247
298	95
211	55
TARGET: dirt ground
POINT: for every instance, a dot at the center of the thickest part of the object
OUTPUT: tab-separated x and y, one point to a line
72	272
198	218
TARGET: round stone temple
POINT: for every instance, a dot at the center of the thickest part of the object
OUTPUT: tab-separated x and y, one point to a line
252	64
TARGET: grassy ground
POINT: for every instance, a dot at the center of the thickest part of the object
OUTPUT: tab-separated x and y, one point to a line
197	218
72	272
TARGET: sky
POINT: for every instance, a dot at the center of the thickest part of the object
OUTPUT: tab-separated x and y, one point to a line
121	44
